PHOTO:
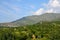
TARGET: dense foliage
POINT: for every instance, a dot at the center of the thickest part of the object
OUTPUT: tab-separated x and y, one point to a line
39	31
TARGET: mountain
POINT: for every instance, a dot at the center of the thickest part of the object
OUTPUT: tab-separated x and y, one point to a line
35	19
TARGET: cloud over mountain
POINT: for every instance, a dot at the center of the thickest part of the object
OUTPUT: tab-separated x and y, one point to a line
53	6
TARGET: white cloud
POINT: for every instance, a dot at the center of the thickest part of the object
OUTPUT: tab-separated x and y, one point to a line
53	6
38	12
50	11
54	3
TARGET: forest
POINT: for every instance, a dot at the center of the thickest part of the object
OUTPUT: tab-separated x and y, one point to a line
39	31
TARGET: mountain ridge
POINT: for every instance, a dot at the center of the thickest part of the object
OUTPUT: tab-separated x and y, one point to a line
29	20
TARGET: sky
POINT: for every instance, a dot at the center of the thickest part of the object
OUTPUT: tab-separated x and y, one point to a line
11	10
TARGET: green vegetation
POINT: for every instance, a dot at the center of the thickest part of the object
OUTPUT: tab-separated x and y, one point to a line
37	18
39	31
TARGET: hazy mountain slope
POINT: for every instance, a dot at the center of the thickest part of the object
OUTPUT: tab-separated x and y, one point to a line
36	18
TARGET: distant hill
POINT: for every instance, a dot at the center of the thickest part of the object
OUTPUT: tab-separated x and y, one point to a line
35	19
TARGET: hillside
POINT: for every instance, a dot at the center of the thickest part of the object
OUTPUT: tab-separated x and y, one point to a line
36	18
29	20
40	31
